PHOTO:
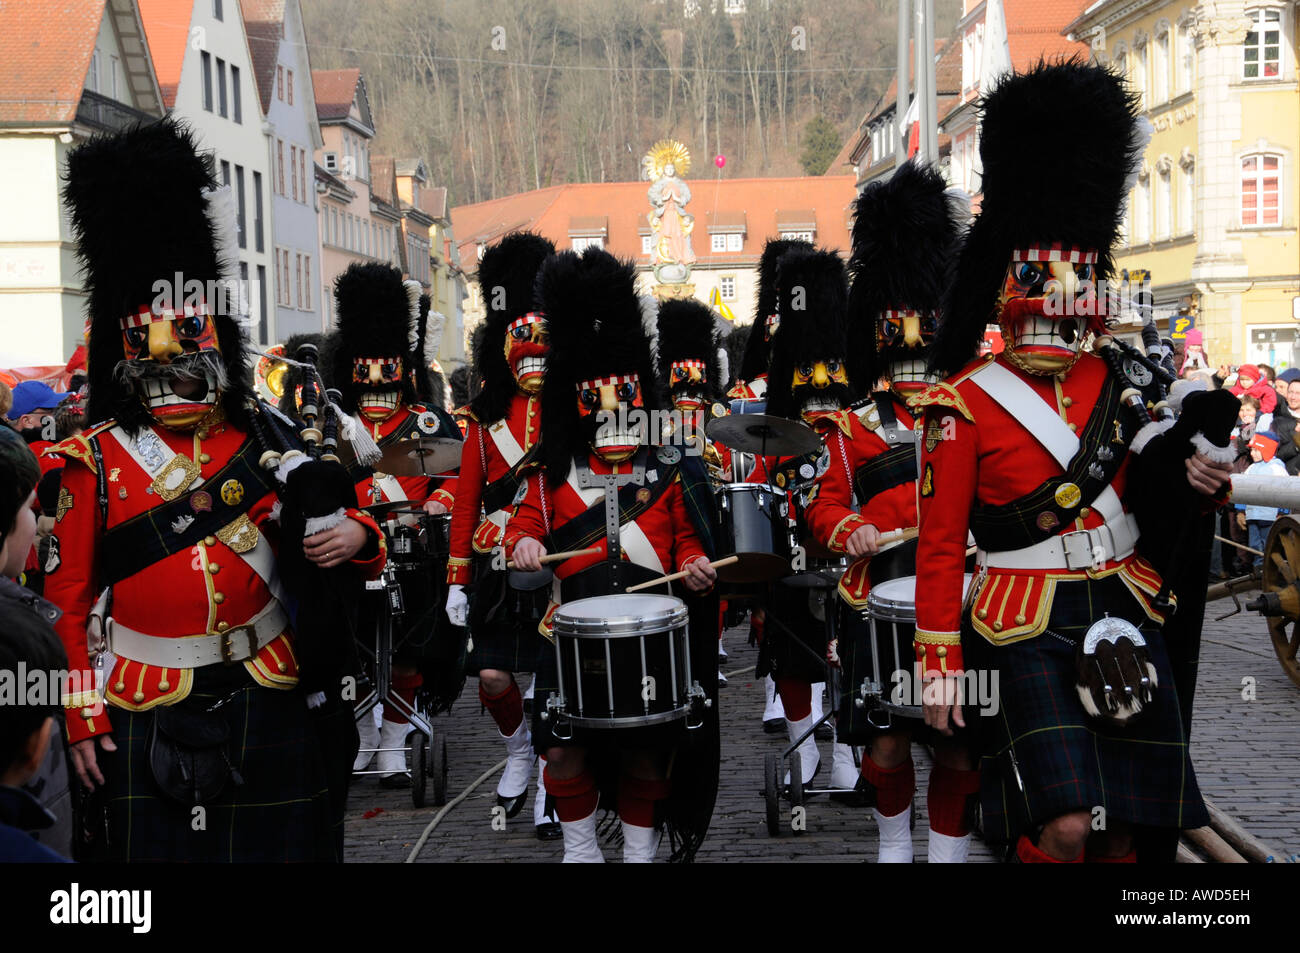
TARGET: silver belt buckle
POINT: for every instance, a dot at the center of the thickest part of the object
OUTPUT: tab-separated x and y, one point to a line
1077	546
228	642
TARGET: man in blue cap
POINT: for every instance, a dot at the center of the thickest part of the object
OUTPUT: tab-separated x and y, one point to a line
33	402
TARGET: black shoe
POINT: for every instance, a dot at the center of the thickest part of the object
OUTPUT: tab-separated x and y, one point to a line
774	726
513	805
549	830
399	780
824	732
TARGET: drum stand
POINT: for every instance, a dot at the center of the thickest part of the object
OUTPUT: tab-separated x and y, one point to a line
426	745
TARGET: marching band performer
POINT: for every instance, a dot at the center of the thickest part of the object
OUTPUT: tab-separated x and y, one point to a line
807	381
1032	451
752	383
376	362
692	371
164	501
905	234
504	425
649	512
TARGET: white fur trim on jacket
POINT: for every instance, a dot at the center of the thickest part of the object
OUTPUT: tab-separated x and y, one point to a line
319	524
1210	451
1148	433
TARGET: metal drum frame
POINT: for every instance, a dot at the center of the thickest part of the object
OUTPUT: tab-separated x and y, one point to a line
773	504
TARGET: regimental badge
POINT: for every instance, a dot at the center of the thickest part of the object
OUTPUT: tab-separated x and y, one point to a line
114	474
1105	455
927	481
1136	371
64	504
1095	471
1068	496
175	478
1047	520
182	523
933	433
427	422
201	501
780	480
522	493
718	410
1119	436
824	461
643	495
241	535
52	558
151	447
232	491
669	455
807	471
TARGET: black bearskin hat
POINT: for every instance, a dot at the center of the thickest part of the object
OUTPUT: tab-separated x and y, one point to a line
144	207
293	378
1039	190
429	382
686	331
463	386
754	363
905	232
594	320
812	295
506	277
377	316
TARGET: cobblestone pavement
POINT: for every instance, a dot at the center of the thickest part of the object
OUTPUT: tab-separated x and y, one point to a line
1243	747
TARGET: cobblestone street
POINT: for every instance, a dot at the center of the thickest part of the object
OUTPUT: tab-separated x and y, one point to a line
1243	750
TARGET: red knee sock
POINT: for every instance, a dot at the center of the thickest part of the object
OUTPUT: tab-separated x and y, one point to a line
947	799
1028	853
575	798
637	797
756	623
404	687
506	709
894	786
796	698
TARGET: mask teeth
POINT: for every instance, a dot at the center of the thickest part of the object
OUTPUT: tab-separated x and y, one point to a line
817	404
530	365
158	393
619	438
381	398
908	372
1043	331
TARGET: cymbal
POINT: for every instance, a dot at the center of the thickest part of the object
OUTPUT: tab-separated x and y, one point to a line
763	434
423	456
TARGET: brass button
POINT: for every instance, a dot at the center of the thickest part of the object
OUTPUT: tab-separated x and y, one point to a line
532	429
1083	513
209	540
414	435
982	613
283	668
1073	427
204	458
214	568
218	598
202	434
164	685
119	686
1066	402
997	626
222	626
920	652
941	651
1020	619
137	697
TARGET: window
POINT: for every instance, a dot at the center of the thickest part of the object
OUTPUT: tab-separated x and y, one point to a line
206	59
216	9
279	165
1186	196
719	243
582	242
1186	53
1263	46
1142	211
306	282
797	236
261	301
647	244
1160	78
735	241
287	300
225	172
293	170
243	274
334	226
297	277
1164	200
1260	190
221	87
112	76
727	287
257	211
289	85
239	198
92	74
279	83
302	173
234	92
1140	75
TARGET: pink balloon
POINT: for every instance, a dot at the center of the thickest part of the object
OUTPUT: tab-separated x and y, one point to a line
719	161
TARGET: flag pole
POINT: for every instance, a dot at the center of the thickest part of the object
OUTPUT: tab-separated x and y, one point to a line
900	110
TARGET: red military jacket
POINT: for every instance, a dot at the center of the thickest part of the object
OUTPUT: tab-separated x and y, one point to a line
749	390
203	590
852	442
975	450
490	452
378	487
663	538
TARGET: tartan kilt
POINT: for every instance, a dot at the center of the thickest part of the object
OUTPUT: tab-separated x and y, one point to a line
282	811
794	640
1068	762
503	622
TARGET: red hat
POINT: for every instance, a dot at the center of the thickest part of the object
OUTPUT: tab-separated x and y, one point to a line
1249	370
1265	444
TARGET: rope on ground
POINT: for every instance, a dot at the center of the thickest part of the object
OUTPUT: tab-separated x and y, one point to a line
1239	648
437	818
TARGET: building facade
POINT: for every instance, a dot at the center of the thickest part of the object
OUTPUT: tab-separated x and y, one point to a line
73	69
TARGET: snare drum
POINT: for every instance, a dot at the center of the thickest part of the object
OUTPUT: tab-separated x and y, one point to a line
755	527
877	662
623	662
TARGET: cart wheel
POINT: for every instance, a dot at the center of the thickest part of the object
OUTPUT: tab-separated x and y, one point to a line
438	767
416	742
796	780
772	794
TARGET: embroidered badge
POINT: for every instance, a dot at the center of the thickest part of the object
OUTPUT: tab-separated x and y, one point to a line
232	491
241	535
806	471
175	478
824	461
182	523
719	410
927	481
1068	495
427	422
1105	454
121	492
1095	471
643	495
780	480
1047	520
201	501
64	504
151	448
113	474
933	433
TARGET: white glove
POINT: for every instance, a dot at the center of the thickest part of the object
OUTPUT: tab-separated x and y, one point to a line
457	605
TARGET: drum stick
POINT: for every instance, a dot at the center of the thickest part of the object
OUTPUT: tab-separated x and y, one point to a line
673	577
561	557
898	535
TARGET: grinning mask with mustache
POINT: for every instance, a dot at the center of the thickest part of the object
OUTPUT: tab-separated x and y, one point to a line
604	406
173	362
820	387
1047	306
903	339
526	347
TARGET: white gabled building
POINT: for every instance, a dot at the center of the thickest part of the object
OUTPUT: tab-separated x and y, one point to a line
278	43
201	55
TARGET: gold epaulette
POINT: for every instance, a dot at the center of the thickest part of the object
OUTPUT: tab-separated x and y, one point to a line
841	418
940	395
465	412
869	416
78	447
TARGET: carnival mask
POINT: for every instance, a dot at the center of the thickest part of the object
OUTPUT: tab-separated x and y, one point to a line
378	381
770	324
903	339
1047	306
605	406
173	360
820	388
526	347
688	384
